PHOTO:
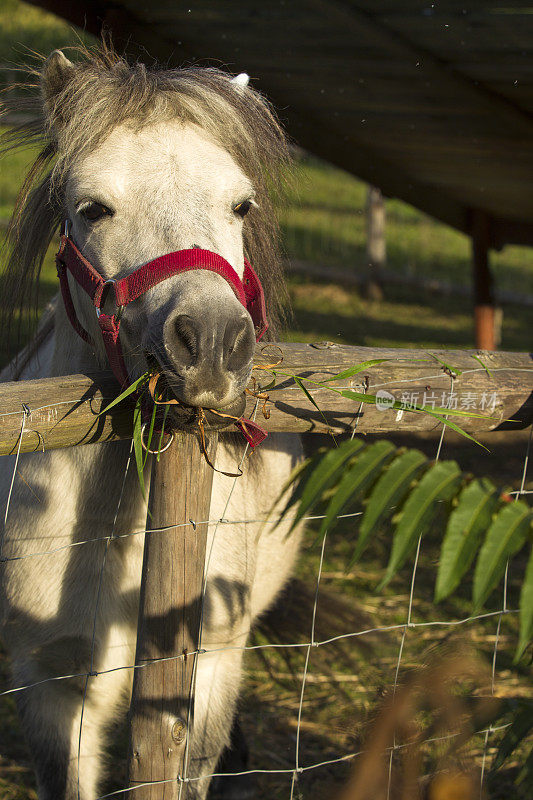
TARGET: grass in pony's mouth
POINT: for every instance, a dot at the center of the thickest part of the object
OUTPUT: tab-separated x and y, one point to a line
181	415
185	417
158	413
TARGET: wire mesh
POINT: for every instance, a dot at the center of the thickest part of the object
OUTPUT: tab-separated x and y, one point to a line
405	628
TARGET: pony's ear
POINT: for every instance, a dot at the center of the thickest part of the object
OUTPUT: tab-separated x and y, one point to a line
57	72
241	81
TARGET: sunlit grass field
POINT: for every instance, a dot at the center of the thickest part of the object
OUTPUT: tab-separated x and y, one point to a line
324	221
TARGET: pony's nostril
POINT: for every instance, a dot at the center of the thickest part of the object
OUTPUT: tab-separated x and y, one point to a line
238	344
185	343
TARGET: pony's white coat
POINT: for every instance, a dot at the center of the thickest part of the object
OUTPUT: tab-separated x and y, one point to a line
170	187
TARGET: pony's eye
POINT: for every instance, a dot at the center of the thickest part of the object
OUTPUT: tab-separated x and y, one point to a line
242	208
94	211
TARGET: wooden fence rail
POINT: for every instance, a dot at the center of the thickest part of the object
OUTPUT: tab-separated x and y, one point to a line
62	411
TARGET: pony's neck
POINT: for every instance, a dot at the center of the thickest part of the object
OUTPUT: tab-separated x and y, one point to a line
71	353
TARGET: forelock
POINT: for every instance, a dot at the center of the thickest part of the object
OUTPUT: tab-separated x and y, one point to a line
105	92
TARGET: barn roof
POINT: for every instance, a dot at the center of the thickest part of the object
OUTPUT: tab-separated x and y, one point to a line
430	101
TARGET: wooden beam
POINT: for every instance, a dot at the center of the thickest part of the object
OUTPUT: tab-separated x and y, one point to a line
510	231
63	411
348	152
170	610
330	136
87	16
507	114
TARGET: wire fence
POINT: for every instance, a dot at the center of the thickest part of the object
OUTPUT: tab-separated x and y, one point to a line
406	629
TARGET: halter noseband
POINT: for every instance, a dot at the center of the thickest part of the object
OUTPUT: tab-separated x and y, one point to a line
249	291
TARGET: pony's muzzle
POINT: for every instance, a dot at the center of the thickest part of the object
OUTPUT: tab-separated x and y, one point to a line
211	354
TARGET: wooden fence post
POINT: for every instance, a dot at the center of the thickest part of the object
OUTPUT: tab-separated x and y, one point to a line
485	316
169	618
376	248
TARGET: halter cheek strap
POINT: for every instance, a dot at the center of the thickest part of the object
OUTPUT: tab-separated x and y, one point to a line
249	292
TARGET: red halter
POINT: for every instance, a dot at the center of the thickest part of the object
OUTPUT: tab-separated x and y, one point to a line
249	291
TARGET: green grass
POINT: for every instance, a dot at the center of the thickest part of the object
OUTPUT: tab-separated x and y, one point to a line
324	223
403	319
13	168
26	31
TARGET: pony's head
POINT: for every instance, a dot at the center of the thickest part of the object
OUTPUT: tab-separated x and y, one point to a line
145	163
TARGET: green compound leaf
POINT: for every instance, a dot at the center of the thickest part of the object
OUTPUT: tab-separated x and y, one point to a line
351	394
309	396
150	434
440	414
456	428
466	527
325	472
440	483
389	491
505	537
487	370
526	610
514	735
446	366
356	480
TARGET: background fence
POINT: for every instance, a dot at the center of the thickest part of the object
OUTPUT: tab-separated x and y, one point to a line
303	678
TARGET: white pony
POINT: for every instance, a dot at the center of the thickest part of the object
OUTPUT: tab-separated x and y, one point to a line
142	164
